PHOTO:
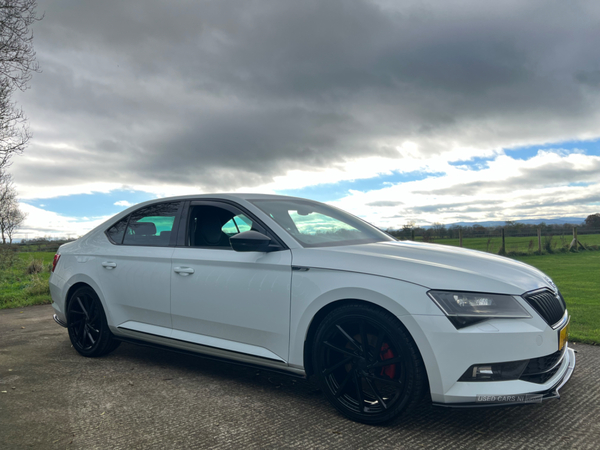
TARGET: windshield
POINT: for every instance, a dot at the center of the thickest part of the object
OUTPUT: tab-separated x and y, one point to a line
315	224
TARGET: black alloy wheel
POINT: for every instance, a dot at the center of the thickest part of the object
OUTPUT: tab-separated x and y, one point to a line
367	364
87	325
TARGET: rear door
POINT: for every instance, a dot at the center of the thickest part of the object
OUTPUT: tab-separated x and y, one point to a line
134	274
238	301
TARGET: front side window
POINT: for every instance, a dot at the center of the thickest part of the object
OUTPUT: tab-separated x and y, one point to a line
152	225
315	224
212	226
237	224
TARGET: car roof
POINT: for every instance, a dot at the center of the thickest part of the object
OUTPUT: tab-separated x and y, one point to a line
230	196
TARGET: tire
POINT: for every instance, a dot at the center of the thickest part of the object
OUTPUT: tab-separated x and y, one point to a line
369	384
87	325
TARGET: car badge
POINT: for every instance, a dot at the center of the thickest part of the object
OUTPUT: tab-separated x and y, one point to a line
550	283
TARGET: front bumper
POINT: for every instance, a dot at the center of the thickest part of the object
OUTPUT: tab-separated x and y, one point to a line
59	321
511	393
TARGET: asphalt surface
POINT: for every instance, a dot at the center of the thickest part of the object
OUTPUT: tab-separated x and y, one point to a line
144	398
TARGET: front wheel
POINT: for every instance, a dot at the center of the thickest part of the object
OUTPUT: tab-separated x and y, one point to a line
367	364
87	325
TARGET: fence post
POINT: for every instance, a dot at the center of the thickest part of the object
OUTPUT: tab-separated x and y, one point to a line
503	246
575	242
412	234
539	230
460	238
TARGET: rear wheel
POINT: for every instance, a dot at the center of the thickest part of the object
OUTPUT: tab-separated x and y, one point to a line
87	325
367	364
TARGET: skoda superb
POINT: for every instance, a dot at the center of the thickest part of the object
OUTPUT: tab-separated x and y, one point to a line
298	286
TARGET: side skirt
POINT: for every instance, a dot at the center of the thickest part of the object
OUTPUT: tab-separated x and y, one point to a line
212	353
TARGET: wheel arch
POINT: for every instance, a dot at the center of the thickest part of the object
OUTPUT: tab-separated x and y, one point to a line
72	290
324	311
81	280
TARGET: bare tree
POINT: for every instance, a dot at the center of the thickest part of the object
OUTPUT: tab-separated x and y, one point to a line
11	216
15	219
17	62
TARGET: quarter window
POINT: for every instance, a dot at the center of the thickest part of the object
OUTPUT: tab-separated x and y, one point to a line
237	224
116	232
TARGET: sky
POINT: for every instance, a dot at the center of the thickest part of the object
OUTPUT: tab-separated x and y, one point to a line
413	111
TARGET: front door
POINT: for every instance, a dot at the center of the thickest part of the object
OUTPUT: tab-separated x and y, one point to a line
238	301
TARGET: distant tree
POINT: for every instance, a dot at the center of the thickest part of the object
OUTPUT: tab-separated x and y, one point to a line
454	231
439	229
11	216
479	230
593	221
17	62
513	228
407	229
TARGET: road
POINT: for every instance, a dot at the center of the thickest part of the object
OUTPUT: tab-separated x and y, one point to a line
144	398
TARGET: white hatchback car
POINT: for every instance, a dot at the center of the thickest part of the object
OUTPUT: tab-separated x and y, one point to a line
299	286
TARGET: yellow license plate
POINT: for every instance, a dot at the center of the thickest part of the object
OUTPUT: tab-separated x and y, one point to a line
563	335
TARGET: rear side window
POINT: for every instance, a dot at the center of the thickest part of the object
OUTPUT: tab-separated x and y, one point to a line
149	226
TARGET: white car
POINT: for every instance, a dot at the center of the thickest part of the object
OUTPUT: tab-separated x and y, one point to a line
302	287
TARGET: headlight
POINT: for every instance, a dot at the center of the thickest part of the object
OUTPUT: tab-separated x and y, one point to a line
467	308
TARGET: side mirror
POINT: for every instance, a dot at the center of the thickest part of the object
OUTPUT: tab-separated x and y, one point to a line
250	241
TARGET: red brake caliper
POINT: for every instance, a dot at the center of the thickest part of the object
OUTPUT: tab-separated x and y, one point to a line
387	353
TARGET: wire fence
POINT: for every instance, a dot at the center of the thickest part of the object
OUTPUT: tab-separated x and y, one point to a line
504	240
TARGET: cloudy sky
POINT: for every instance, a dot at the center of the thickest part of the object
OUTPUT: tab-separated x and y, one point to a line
425	111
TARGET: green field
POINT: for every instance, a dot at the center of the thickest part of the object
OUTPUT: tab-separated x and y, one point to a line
522	244
576	274
19	288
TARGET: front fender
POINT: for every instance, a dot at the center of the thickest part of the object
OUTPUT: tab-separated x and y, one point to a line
315	289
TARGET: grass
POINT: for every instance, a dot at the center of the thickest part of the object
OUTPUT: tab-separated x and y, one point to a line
19	288
576	274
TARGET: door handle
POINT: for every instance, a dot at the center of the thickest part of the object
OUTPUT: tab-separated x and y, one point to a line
109	265
184	271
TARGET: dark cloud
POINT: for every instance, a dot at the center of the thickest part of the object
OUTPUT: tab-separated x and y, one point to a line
225	94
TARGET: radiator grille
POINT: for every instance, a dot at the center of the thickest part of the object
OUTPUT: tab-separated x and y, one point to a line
549	305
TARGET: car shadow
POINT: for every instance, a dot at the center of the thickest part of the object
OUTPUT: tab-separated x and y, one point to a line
472	424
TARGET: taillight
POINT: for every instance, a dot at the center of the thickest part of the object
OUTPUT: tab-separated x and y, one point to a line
55	262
